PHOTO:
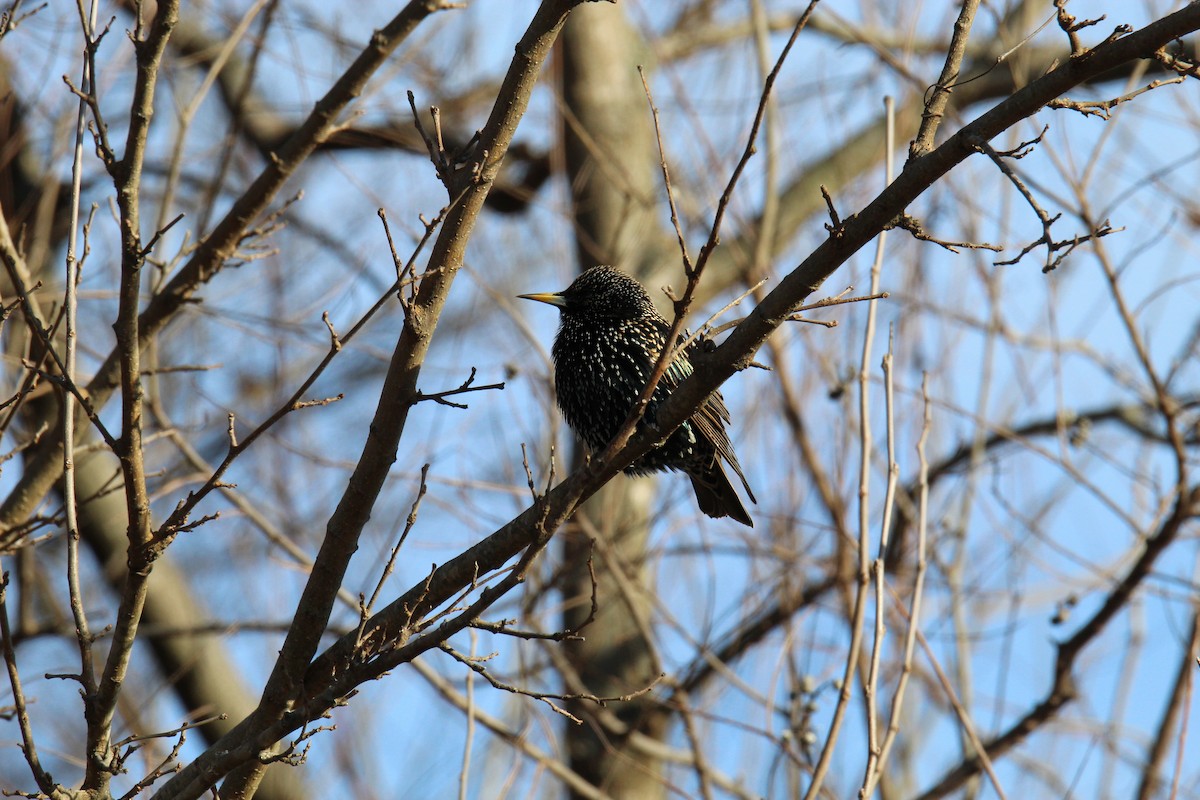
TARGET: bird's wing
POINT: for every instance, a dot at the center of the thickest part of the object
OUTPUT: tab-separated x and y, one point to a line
712	417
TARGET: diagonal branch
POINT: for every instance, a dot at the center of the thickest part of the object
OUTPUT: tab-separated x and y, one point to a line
220	245
318	687
277	714
738	349
1062	689
100	707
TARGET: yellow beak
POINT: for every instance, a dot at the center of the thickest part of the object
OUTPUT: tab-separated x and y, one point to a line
553	298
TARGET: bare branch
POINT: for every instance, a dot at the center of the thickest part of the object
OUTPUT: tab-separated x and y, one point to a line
1103	108
28	748
464	388
939	98
1047	238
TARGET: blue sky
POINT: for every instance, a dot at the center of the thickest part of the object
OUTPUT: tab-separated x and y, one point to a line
1035	536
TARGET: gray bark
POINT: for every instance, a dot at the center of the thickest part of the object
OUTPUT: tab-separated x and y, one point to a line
611	165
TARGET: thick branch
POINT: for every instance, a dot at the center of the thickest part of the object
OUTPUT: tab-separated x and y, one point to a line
322	687
273	718
41	472
739	348
127	174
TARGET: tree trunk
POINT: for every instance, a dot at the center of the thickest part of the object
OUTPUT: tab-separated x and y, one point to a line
611	158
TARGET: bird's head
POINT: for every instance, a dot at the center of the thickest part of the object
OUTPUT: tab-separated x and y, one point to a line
600	292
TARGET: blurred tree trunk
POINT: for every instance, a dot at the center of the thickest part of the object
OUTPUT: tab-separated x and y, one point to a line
611	159
197	667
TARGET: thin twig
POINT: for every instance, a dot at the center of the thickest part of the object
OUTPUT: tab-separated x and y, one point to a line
1047	238
1071	28
465	771
865	454
834	226
914	612
18	272
768	218
12	17
1175	712
694	273
28	749
464	388
178	518
552	763
409	523
684	709
666	173
964	719
83	634
935	107
1103	108
871	688
210	254
476	666
913	225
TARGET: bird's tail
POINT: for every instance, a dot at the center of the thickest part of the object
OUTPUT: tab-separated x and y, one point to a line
716	495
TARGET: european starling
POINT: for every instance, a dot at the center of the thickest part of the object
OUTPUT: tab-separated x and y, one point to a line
609	338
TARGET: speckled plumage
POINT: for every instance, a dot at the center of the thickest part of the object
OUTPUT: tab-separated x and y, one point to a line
609	337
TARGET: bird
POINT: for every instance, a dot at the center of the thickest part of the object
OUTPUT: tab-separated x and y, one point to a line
609	338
